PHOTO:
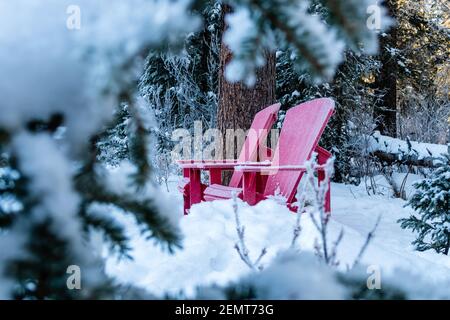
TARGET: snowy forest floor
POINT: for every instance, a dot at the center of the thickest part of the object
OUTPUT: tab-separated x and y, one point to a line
208	255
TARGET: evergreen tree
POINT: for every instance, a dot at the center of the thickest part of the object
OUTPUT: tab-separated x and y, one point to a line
113	143
432	203
422	45
421	53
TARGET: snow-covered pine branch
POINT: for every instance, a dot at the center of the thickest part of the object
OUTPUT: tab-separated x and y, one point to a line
59	86
317	43
431	201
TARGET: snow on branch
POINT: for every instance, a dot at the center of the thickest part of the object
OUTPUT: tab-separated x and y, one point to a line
405	150
317	43
65	68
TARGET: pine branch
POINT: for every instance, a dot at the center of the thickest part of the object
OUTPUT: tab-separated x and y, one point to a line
113	232
291	37
144	211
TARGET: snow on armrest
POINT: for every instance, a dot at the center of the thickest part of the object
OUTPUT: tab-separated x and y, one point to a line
225	164
276	168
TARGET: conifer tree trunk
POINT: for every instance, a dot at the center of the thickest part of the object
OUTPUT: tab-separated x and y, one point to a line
386	109
238	103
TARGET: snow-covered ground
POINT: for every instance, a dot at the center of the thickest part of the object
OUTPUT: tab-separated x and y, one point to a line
209	256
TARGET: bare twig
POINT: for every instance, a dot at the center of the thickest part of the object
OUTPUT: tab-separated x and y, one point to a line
321	223
258	261
351	191
333	256
369	238
240	245
301	196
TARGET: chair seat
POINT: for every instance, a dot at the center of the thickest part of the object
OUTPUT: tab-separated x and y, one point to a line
218	192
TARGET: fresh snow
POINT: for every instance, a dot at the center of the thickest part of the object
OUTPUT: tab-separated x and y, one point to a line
209	256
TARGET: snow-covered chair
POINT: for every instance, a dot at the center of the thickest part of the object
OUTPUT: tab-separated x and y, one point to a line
254	145
299	138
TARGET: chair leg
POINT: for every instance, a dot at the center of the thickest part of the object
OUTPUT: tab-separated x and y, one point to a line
215	176
186	194
249	188
186	201
195	190
261	181
322	159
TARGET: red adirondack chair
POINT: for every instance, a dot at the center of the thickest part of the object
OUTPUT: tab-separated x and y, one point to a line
254	145
302	128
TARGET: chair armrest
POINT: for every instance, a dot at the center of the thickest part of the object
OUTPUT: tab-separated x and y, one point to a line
219	164
194	161
206	164
259	169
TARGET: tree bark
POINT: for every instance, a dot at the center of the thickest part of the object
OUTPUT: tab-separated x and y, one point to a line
386	81
238	103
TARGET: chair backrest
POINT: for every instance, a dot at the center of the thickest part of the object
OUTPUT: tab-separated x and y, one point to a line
261	125
302	128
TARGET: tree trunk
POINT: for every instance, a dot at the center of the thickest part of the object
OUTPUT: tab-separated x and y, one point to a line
238	103
386	81
394	158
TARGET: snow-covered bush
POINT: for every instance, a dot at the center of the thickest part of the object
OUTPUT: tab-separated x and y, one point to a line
432	203
294	275
291	276
113	144
424	116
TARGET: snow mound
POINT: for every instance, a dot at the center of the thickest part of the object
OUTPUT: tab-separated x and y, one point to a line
209	256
